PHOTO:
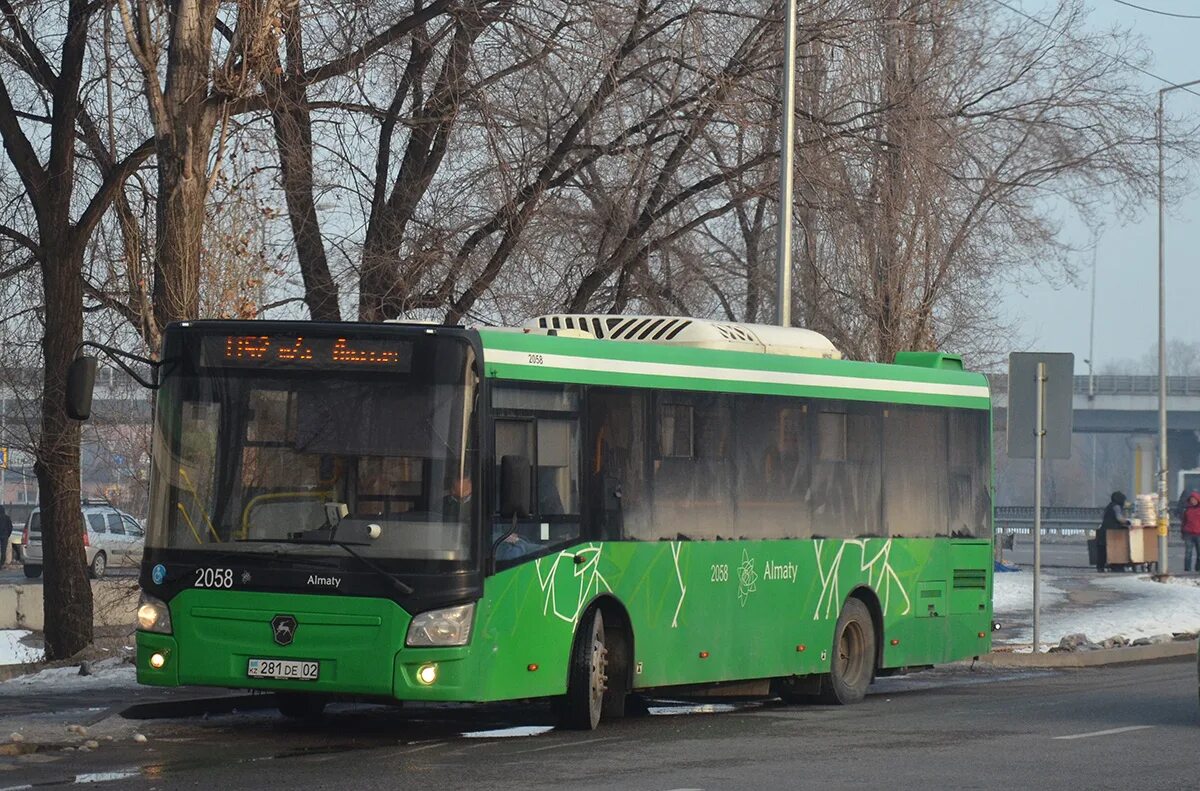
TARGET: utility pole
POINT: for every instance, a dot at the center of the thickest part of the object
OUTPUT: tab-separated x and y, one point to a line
783	278
1163	503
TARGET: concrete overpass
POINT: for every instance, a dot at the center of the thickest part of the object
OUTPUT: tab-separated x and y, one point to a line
1129	405
1119	404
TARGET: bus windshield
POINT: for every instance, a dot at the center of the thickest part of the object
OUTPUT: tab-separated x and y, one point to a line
290	458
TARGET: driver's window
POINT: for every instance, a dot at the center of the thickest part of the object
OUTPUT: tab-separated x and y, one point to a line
542	427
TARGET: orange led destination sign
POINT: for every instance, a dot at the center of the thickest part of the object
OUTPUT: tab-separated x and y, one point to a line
300	351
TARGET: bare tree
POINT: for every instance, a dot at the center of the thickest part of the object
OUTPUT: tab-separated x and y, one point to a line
41	148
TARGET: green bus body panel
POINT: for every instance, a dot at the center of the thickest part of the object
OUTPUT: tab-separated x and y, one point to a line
541	358
700	611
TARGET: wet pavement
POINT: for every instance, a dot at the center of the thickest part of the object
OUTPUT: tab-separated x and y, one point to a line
952	727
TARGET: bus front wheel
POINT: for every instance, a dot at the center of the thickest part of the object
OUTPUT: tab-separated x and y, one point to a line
853	663
588	679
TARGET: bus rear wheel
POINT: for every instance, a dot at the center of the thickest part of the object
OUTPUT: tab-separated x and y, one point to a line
587	680
853	663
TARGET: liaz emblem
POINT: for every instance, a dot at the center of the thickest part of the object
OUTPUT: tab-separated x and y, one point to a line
284	629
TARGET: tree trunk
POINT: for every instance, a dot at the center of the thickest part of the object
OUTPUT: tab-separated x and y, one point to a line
293	137
68	595
184	125
182	189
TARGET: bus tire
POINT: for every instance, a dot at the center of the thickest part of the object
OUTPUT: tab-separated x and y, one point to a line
587	676
618	661
852	665
299	705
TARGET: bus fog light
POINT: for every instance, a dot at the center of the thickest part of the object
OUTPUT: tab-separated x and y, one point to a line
427	674
153	615
157	660
445	627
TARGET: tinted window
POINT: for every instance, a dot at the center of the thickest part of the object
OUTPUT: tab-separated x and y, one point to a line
695	494
115	525
96	522
916	482
616	457
847	471
773	467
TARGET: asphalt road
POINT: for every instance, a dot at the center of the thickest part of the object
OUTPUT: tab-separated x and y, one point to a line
1116	727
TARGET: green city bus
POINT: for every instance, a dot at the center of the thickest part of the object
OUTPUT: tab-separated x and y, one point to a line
581	509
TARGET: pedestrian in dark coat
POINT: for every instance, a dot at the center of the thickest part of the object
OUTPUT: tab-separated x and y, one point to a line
1114	517
6	529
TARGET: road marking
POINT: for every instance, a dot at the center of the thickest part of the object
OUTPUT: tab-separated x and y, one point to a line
424	747
1109	732
567	744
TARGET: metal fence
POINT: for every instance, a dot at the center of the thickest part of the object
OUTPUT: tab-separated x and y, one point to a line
1063	522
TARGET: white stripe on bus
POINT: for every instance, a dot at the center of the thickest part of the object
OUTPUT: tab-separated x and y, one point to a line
507	357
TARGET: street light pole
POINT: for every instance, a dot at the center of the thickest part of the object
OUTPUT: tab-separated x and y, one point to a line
1163	505
783	279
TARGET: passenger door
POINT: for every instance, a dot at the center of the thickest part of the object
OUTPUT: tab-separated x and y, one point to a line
117	539
136	537
99	537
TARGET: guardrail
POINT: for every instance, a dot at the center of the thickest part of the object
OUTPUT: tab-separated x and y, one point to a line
1062	522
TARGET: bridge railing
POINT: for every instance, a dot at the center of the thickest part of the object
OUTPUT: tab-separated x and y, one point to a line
1118	385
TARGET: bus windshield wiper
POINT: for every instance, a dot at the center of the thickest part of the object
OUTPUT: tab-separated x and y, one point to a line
315	537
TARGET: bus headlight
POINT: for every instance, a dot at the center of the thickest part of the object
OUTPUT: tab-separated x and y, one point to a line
153	615
449	626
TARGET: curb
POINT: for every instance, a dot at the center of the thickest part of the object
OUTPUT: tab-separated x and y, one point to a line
1100	658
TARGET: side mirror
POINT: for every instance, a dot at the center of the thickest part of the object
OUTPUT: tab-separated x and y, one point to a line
81	380
515	490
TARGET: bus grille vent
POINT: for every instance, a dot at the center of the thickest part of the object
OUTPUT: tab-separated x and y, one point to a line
970	579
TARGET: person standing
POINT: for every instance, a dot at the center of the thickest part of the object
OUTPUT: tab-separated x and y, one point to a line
6	529
1190	525
1114	517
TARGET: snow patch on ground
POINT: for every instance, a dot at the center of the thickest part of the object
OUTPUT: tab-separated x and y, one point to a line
13	651
1013	592
107	674
1140	607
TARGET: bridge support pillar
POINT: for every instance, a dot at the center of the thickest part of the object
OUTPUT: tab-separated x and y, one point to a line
1145	460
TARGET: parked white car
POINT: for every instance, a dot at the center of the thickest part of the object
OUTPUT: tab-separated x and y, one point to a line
111	538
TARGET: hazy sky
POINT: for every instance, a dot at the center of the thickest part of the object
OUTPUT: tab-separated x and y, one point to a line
1057	319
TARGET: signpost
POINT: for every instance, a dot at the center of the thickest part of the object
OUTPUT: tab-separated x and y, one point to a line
1040	385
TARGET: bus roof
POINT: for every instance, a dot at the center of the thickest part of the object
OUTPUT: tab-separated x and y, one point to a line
538	357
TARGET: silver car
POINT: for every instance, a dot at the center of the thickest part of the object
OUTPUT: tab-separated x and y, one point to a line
111	538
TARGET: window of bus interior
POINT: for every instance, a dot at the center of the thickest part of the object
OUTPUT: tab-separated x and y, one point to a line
846	494
916	479
540	424
773	467
970	493
694	495
616	454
